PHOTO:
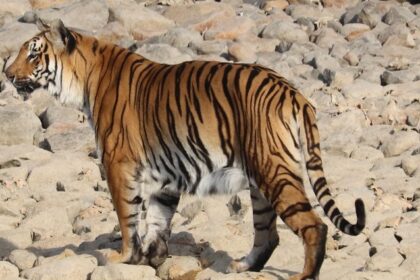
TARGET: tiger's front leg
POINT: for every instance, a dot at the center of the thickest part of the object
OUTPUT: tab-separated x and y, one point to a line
160	210
127	201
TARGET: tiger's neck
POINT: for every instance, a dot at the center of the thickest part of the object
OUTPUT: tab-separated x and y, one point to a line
102	70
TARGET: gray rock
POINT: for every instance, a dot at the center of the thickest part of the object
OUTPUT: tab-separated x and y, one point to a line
8	271
385	259
411	165
140	21
361	89
309	11
383	238
199	16
163	53
326	38
398	15
180	37
371	73
242	52
342	139
369	153
65	168
57	113
216	47
18	126
46	224
70	268
123	271
13	35
85	14
69	137
285	31
400	142
23	259
232	28
14	239
40	100
16	8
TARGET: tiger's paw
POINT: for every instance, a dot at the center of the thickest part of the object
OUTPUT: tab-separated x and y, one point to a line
300	276
237	266
116	257
157	252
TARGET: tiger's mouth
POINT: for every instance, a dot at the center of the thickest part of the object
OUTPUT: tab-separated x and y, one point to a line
25	87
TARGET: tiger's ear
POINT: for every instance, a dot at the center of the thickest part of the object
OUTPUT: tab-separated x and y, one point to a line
59	35
42	26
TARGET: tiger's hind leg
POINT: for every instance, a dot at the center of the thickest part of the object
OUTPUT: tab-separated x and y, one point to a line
266	238
291	204
161	208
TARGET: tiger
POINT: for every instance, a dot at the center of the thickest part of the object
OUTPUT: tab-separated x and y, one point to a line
197	127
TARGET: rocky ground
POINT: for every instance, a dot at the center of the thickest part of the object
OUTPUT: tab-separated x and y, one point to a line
358	62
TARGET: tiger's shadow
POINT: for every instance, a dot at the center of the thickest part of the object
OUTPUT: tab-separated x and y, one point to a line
180	244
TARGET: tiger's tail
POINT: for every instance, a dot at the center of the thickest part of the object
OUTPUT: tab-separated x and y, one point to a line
309	138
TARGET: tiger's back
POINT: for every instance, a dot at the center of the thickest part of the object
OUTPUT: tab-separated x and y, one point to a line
196	127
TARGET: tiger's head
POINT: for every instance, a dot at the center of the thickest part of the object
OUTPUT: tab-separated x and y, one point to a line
47	60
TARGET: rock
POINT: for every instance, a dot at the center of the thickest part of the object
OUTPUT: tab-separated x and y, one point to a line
8	271
363	152
361	89
400	142
180	37
88	15
351	58
19	126
241	52
398	77
190	210
411	165
285	31
14	239
385	259
352	31
13	35
200	16
369	13
383	238
338	141
42	4
230	29
65	168
16	8
176	267
116	33
59	114
326	38
339	78
163	53
210	47
23	259
50	223
398	15
69	137
123	271
339	3
40	100
275	4
70	268
141	22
